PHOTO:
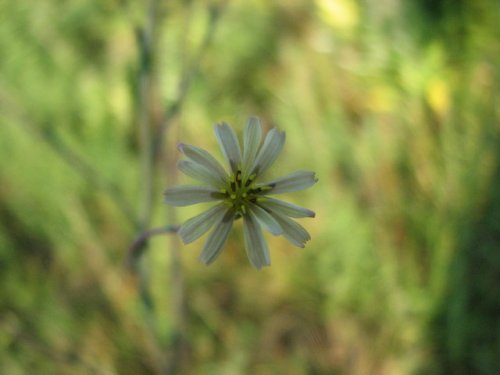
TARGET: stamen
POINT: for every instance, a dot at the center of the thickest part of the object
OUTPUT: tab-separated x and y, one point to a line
250	179
260	189
238	177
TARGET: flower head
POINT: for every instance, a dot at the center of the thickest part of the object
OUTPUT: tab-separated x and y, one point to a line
240	194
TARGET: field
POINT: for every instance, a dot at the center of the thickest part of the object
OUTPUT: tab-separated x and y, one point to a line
395	105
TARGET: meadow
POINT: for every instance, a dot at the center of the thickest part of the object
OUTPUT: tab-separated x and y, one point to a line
394	104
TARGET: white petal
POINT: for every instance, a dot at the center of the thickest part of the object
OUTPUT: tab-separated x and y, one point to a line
252	138
269	151
200	173
197	226
229	145
203	158
215	242
292	182
266	219
185	195
285	208
255	244
293	231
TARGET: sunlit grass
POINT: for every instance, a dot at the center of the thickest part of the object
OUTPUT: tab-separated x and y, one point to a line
403	136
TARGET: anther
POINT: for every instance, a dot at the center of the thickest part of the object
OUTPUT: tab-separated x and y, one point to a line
238	177
250	179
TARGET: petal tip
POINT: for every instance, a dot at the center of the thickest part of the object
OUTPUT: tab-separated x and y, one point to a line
255	119
260	266
220	125
201	260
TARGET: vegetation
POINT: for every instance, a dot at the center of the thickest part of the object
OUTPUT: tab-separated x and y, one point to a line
394	105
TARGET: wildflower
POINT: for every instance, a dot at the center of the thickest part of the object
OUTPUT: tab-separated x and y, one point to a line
240	194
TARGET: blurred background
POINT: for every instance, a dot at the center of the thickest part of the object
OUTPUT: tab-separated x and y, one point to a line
395	105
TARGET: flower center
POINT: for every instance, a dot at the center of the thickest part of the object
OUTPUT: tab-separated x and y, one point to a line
239	193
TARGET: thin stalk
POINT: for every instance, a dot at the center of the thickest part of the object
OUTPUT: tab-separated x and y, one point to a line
145	37
145	40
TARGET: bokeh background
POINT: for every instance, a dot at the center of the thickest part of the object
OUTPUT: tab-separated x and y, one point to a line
395	104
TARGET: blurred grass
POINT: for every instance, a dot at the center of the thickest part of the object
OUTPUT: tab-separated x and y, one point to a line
393	104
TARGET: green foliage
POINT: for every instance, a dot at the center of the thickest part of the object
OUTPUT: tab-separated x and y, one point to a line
394	107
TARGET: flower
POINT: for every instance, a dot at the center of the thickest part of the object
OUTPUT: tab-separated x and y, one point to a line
240	194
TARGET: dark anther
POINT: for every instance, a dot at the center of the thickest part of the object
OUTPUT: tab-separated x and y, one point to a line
238	177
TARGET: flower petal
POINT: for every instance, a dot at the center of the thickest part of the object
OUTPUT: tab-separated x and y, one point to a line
265	219
229	145
292	231
252	138
200	173
203	158
292	182
255	244
285	208
217	239
195	227
185	195
269	151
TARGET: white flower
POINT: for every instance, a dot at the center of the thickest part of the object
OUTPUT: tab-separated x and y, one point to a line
240	194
